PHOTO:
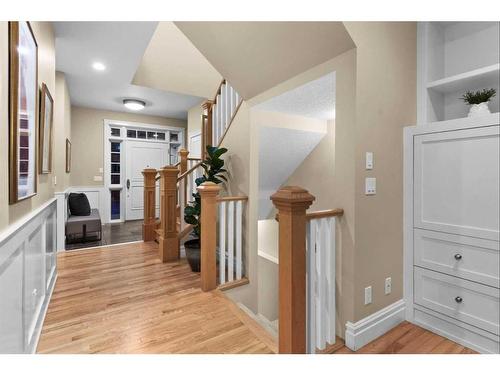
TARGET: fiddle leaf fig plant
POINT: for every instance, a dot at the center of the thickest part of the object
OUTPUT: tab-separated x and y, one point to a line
214	171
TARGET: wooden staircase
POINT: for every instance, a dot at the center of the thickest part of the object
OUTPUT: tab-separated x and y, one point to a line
177	184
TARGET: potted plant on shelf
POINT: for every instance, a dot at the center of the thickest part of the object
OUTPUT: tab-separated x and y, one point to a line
214	171
478	100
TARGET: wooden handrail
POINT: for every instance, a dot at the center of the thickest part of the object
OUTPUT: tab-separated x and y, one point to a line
190	170
218	90
324	213
232	199
319	214
199	159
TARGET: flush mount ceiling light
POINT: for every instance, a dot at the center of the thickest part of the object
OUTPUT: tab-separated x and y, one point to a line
99	66
134	104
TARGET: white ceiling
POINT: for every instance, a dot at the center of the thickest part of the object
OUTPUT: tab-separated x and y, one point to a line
120	46
315	99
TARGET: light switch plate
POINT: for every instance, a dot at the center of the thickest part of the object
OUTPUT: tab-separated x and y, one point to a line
370	185
100	170
369	161
368	295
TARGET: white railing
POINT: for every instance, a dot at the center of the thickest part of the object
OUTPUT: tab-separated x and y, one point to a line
230	239
225	106
320	247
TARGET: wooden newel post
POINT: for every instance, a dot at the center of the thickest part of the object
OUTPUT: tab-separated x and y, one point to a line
149	224
183	156
168	239
292	203
208	219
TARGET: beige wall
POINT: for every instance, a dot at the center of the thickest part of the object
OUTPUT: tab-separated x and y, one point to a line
44	36
62	131
375	99
328	171
385	103
87	129
372	227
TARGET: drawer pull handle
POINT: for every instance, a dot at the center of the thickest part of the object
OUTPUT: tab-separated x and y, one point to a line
458	256
458	299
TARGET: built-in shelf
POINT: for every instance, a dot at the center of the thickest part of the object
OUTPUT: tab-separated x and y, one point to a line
474	78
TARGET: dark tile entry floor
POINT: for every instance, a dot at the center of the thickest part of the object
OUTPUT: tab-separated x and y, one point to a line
128	231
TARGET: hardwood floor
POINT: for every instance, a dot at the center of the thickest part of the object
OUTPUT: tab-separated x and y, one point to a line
124	300
406	338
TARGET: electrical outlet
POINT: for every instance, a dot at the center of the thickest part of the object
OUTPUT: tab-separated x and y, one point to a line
368	295
370	185
388	285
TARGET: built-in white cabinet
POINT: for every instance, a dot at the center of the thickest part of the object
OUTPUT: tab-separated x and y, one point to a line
28	269
456	179
452	251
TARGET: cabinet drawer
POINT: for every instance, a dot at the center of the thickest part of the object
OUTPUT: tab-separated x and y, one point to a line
466	257
470	302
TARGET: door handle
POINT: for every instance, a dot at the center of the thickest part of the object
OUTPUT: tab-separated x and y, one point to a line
128	183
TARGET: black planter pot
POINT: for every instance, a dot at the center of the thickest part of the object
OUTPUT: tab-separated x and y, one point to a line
193	254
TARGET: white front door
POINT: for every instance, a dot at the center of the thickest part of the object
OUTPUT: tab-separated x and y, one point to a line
195	146
140	155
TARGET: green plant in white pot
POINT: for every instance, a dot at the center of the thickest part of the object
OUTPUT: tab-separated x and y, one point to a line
214	171
478	100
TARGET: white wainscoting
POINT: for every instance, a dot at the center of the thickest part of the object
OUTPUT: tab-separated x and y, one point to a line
28	271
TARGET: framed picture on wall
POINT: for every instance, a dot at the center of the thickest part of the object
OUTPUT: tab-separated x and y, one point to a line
68	156
45	134
23	103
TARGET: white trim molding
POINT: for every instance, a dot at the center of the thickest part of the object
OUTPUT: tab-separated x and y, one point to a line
362	332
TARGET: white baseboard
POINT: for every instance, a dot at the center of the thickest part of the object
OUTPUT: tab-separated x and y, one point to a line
360	333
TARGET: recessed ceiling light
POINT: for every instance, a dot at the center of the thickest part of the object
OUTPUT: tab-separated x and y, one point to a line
99	66
134	104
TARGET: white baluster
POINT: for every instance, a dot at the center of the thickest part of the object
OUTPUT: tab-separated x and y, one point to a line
182	203
219	120
331	280
214	122
311	287
222	112
230	241
222	242
239	233
230	98
227	107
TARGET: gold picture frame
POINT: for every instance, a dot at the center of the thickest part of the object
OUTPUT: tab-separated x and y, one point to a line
46	128
23	111
68	156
